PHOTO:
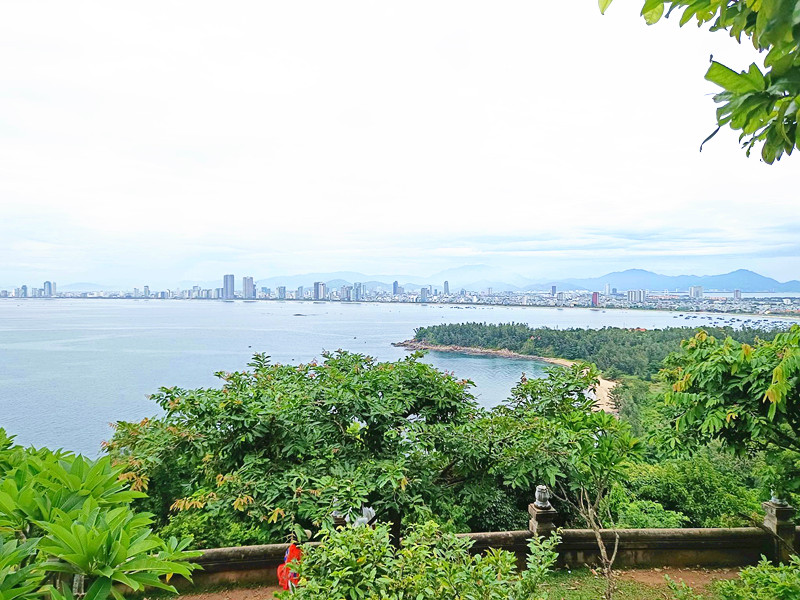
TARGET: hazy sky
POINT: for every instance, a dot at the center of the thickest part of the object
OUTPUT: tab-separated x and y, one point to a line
153	142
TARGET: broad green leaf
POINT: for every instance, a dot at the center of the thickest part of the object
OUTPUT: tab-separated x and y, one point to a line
730	79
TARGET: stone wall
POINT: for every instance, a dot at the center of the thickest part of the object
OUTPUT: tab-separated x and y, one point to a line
734	547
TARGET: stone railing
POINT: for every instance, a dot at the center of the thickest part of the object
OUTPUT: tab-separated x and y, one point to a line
732	547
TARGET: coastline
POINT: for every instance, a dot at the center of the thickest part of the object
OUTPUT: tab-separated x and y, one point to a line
602	392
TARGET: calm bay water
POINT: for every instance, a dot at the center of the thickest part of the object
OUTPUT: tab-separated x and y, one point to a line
68	368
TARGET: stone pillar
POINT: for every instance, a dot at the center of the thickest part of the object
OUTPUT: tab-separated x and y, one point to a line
778	520
542	514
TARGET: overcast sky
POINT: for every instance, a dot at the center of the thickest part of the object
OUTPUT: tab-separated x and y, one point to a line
157	142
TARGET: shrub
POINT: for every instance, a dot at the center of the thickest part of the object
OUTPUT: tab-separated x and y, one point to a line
361	564
65	520
764	581
708	494
644	514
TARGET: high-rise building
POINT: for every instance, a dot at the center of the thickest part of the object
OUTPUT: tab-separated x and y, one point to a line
319	290
136	293
446	288
637	295
737	294
281	292
608	289
614	291
146	292
595	299
228	292
358	291
48	289
23	291
395	288
696	291
423	294
552	290
248	288
300	293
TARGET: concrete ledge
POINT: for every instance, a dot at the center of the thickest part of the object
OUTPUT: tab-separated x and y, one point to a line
734	547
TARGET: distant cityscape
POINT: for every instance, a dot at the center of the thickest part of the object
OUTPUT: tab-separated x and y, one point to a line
693	299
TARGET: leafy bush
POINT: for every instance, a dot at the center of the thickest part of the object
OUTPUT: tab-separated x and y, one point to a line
361	563
65	519
645	514
280	447
764	581
698	487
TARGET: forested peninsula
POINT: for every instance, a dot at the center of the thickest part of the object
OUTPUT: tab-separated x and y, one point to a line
615	351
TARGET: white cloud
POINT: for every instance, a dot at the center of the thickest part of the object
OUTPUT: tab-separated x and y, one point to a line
183	139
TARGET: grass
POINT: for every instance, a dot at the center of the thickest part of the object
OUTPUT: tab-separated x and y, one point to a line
582	584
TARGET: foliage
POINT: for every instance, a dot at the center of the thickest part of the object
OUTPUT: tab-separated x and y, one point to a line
614	350
277	449
65	518
764	581
763	105
746	396
646	514
361	563
700	488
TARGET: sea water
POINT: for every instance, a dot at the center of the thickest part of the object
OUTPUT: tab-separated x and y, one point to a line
68	368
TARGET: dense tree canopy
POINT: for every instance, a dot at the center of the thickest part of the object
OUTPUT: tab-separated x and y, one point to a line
746	396
762	105
614	350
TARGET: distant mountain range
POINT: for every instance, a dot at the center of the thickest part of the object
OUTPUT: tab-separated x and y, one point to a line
482	277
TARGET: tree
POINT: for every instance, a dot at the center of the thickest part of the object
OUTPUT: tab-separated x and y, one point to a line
762	105
362	564
66	523
582	452
748	397
279	448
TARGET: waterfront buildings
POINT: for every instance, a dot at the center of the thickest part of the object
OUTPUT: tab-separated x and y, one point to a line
248	288
596	298
696	291
319	290
227	287
281	292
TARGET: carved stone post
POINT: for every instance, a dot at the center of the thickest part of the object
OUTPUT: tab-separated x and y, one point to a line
542	513
778	520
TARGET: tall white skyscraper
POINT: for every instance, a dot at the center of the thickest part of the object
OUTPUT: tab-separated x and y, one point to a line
248	288
227	287
319	290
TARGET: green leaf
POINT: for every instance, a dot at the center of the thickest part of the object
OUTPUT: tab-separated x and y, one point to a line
652	11
99	590
604	4
732	81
